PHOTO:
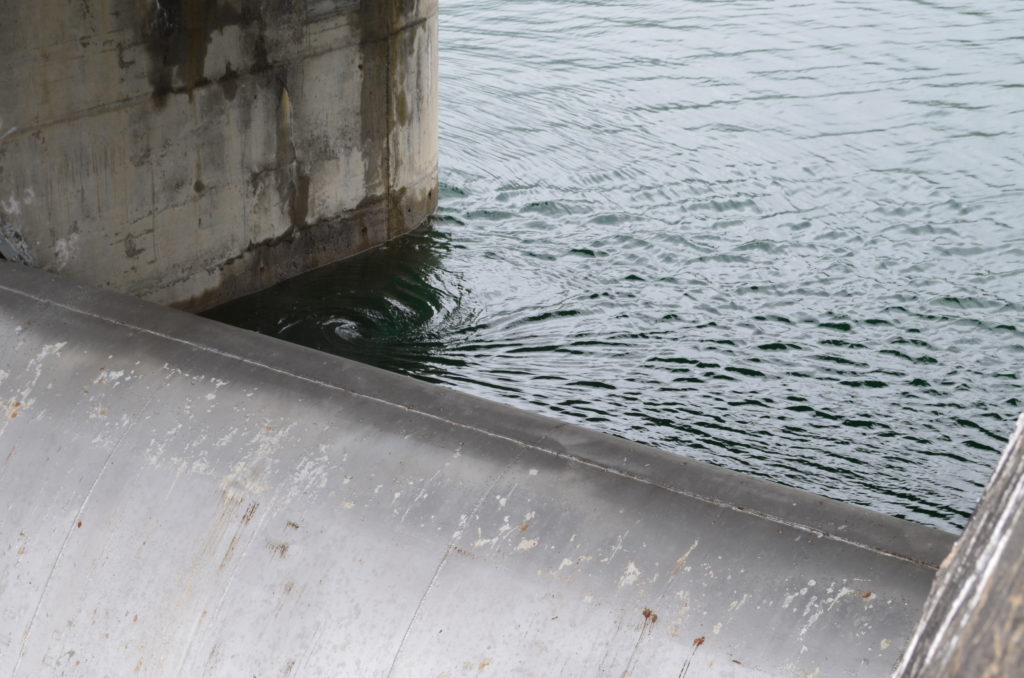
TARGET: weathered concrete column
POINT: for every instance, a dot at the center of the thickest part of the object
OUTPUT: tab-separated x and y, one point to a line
973	622
192	151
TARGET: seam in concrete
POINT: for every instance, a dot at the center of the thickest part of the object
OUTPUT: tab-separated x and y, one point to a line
444	559
71	529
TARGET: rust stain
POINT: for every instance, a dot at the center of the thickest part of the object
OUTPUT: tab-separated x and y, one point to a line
250	512
138	666
645	630
227	497
484	664
79	523
278	548
867	595
292	525
230	551
247	517
523	527
697	642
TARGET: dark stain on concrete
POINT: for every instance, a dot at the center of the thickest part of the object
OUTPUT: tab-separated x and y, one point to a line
177	34
264	263
400	212
132	250
229	82
280	549
122	62
401	109
298	199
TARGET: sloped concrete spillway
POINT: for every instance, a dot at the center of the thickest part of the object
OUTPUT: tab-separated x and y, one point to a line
185	498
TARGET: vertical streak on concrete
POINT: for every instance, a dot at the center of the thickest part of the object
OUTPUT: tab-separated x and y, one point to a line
192	151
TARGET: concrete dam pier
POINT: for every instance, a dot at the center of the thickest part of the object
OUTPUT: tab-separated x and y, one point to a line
192	151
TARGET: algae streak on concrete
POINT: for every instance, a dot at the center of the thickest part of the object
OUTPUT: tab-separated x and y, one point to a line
192	151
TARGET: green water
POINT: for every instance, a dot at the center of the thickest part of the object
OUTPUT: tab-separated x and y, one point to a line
784	238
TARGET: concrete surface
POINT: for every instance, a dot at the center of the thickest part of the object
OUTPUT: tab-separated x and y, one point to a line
181	497
192	151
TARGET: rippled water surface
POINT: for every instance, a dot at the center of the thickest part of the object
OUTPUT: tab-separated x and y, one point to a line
786	238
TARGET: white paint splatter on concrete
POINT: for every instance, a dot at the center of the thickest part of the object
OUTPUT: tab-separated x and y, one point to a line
65	250
630	575
310	475
9	132
789	599
737	604
616	548
249	475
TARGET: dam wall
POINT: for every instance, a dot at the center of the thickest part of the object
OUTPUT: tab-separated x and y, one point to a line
192	151
183	497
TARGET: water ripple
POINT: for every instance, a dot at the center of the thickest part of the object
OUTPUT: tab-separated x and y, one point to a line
781	237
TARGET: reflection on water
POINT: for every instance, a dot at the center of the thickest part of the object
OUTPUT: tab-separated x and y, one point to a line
783	238
392	307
